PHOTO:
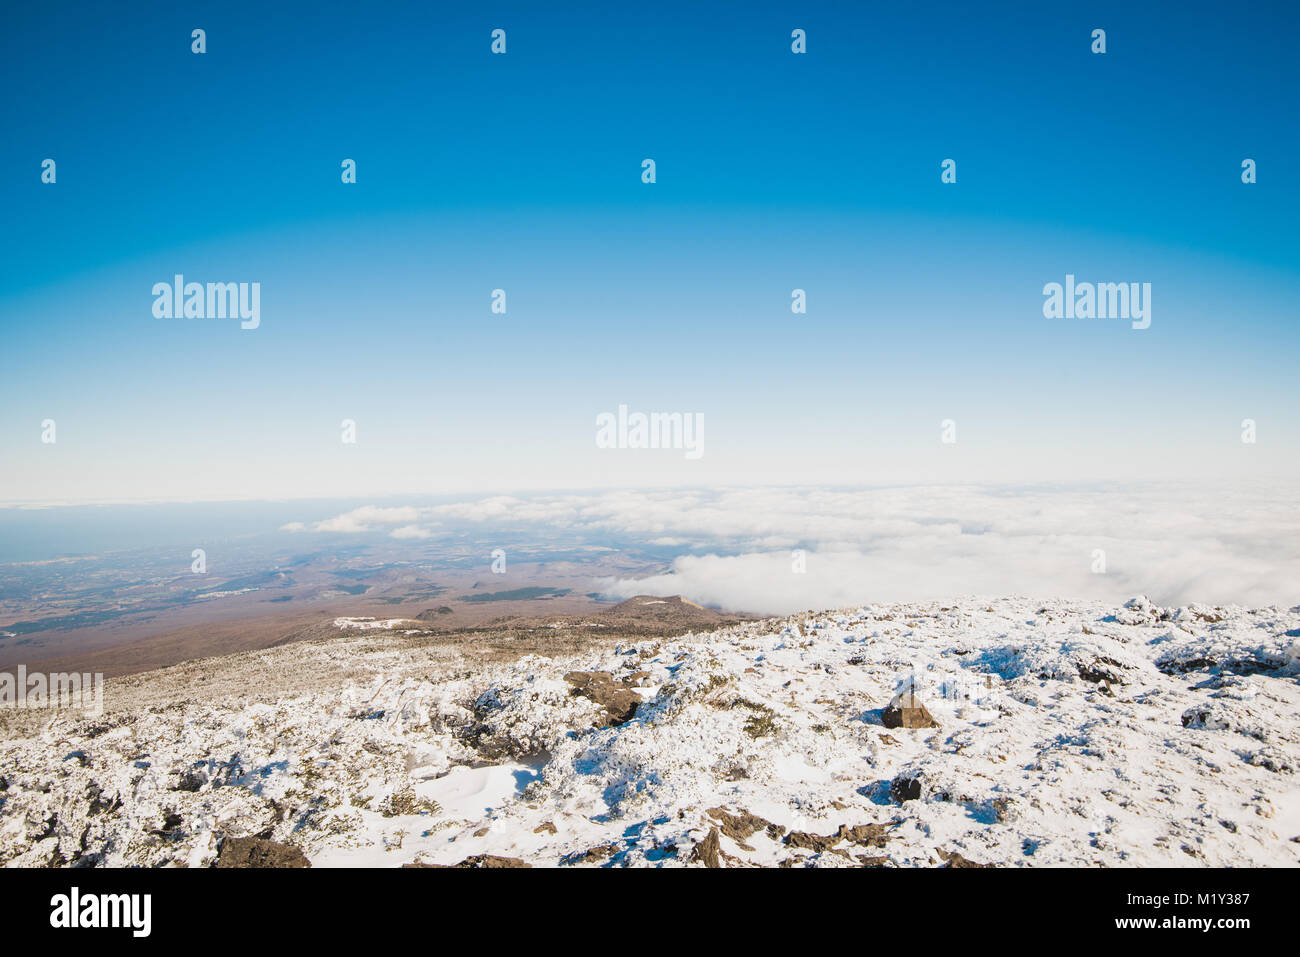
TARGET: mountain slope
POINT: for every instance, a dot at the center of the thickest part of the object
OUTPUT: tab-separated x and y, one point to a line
1068	733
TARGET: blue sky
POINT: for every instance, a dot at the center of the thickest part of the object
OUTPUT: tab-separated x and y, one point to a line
522	172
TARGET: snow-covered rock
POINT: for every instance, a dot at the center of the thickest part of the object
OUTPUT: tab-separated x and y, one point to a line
1068	733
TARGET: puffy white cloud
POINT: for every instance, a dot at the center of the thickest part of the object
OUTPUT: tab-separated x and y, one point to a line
411	531
367	518
1176	543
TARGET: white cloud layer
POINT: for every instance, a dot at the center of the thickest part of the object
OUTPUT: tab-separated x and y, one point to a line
1175	543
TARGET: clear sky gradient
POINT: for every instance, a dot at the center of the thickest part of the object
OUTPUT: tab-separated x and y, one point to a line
523	172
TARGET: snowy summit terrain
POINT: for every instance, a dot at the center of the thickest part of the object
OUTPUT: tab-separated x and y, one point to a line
1063	733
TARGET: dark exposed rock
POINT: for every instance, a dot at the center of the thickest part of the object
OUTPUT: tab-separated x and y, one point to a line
739	827
813	842
954	859
592	855
907	711
581	680
192	779
871	835
492	860
615	697
99	802
1102	669
259	852
708	852
905	787
478	860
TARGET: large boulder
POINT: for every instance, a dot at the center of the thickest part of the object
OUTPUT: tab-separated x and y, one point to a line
907	711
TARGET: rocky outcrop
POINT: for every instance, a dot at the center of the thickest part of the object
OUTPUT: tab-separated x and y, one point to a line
614	696
709	851
953	859
868	835
477	861
492	861
259	852
741	826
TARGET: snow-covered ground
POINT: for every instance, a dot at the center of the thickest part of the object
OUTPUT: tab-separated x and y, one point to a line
1070	733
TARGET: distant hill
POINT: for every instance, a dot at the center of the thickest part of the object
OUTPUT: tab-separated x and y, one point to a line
640	615
674	609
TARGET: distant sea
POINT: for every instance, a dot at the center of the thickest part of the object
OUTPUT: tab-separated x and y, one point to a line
41	534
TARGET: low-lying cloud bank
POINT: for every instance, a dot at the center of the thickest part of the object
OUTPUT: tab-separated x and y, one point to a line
776	550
